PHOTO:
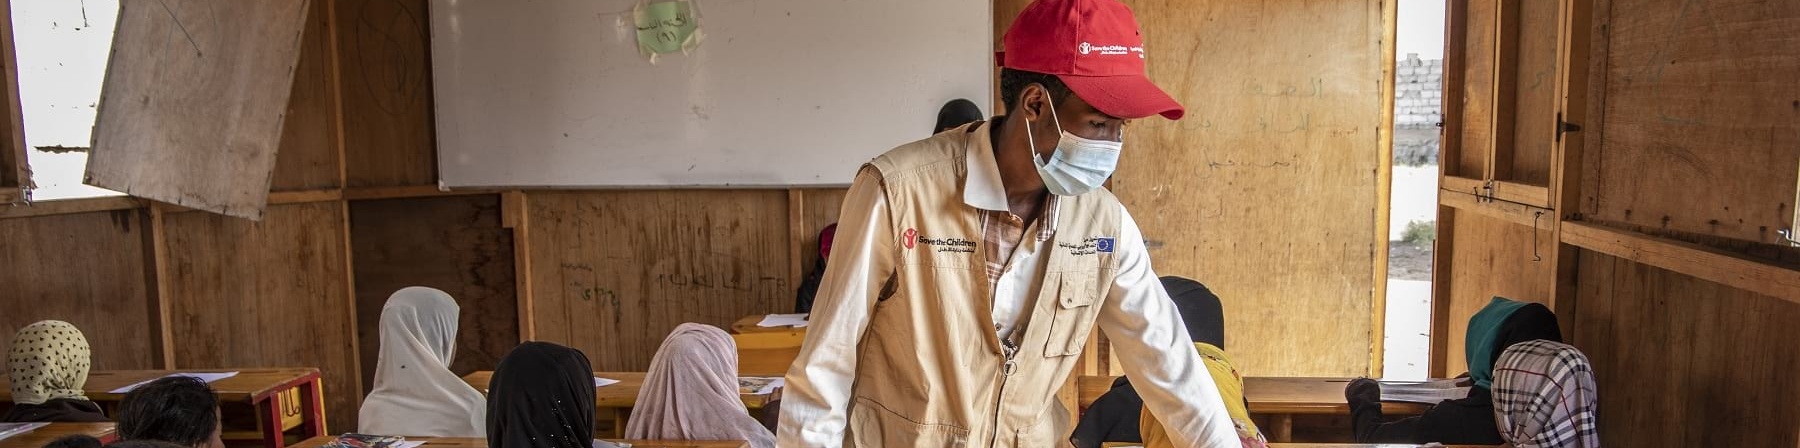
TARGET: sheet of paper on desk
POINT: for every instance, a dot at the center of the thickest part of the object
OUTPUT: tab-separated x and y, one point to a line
603	382
754	385
13	429
203	376
410	444
1429	392
783	320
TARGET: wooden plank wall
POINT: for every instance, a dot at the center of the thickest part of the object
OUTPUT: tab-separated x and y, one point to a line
384	57
14	174
1684	362
614	271
454	244
1701	117
90	269
274	293
1296	120
1691	152
1491	257
1696	139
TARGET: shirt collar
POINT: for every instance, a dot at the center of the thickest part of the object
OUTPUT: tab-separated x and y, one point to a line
982	187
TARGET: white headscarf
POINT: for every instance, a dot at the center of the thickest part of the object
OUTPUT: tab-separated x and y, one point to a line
691	392
415	392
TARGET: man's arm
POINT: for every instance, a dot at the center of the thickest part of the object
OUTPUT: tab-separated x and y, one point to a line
816	399
1159	356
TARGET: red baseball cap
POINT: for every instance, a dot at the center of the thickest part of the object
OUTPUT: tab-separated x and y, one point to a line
1094	47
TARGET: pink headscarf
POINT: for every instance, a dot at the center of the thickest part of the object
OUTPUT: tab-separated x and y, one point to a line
691	392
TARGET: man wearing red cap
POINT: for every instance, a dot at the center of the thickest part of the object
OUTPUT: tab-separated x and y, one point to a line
970	268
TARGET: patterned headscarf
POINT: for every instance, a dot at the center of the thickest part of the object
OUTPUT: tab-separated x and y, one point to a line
48	360
1544	397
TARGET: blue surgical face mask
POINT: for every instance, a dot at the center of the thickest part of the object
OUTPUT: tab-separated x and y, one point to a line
1079	165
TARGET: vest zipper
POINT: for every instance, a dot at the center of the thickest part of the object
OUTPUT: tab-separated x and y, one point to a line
1009	349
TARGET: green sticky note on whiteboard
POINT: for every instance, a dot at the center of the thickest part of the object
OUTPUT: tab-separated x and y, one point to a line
665	27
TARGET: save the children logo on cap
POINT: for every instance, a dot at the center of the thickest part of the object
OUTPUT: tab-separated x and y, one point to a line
910	238
1109	50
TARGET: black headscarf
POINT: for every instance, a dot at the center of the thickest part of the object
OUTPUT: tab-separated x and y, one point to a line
541	396
1199	308
957	112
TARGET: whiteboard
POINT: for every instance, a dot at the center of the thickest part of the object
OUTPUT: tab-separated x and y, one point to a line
554	93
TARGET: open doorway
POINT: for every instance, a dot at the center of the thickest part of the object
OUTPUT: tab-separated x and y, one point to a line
1412	226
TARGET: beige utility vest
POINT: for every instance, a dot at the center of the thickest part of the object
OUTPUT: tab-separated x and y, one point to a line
931	371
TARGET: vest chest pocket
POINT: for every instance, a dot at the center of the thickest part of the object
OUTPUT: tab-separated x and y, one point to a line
1074	314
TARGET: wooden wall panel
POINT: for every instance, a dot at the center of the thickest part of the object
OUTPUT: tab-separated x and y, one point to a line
308	155
821	207
454	244
1683	362
13	171
1477	108
88	269
1489	257
1701	117
1268	190
384	58
193	102
1535	100
614	271
268	294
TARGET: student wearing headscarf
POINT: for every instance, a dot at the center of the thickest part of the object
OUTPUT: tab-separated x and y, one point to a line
541	396
48	365
1120	415
1545	397
1469	420
415	393
691	392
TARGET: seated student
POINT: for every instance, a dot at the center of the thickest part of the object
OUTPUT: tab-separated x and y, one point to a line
48	365
956	113
1544	396
1470	420
541	396
178	410
1120	415
691	392
415	392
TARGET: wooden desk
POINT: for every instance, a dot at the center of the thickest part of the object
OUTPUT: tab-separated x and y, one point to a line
1277	398
460	442
613	402
282	399
747	325
38	437
621	395
1320	445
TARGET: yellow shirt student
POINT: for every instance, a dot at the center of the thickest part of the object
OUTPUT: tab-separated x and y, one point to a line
1231	389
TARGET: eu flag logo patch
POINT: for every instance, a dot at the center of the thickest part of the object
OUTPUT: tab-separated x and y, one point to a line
1103	245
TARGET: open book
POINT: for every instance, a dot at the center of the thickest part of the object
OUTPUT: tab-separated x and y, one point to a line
1427	392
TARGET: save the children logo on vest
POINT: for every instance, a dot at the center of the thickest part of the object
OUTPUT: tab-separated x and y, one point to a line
910	238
